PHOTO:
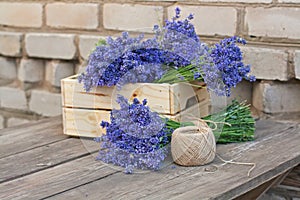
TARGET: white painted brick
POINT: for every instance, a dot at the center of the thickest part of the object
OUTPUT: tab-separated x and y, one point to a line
8	68
268	64
31	70
45	45
10	44
273	22
45	103
242	92
72	15
57	70
276	97
12	98
209	20
87	43
80	68
16	121
297	64
1	122
21	14
128	17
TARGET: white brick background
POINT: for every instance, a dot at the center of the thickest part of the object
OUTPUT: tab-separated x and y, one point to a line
70	15
45	103
31	70
60	46
10	44
129	17
267	64
87	43
277	97
13	98
8	68
57	70
42	42
21	14
273	22
210	20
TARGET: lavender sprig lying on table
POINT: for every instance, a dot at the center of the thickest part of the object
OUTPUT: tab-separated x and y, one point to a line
135	138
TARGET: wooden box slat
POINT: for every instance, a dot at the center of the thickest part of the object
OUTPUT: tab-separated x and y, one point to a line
83	111
86	122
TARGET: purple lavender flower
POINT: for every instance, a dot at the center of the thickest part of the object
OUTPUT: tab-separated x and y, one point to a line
225	63
135	137
173	46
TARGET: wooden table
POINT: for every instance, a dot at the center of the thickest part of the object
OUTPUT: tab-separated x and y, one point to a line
38	162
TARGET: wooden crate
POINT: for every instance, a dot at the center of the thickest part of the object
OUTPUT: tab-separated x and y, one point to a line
83	112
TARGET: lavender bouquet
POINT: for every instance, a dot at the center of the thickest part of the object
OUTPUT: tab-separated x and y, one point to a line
174	54
137	137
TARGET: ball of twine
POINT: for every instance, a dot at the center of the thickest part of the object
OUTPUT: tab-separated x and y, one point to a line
193	145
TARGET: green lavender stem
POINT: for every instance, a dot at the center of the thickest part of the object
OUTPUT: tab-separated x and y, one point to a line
238	115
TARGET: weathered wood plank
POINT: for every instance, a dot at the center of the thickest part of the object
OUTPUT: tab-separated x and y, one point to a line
29	136
22	128
55	180
275	151
43	157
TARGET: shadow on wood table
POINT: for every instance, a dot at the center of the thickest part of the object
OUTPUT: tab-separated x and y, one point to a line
38	162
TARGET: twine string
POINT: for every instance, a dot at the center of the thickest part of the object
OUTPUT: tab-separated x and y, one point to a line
229	161
209	121
190	149
195	145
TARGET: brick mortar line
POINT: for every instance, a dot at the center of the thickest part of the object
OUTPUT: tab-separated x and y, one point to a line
258	40
290	64
100	17
240	21
44	17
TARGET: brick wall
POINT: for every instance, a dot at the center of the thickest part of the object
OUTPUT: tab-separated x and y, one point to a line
44	41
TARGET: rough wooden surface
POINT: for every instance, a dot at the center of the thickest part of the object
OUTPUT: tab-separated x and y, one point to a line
30	136
36	166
